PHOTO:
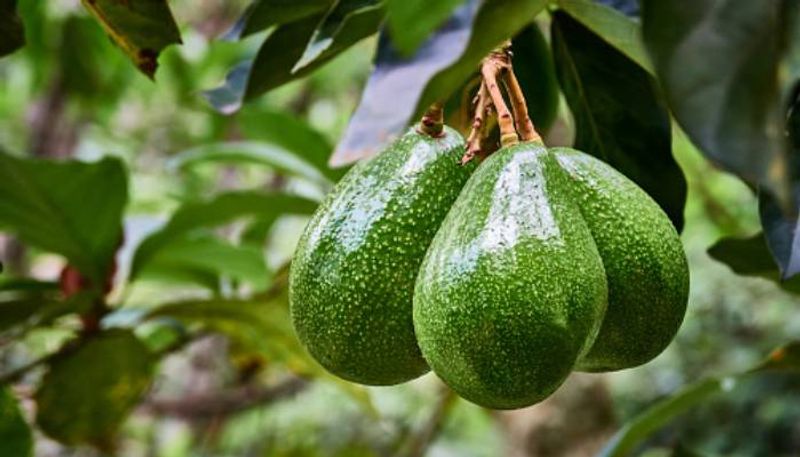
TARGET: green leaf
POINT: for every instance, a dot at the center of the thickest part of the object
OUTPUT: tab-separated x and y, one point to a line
619	113
90	389
27	285
337	23
141	28
278	158
16	438
438	69
210	255
266	13
751	257
276	58
21	310
497	21
619	30
220	210
719	63
290	133
412	21
636	431
263	327
69	208
12	34
535	70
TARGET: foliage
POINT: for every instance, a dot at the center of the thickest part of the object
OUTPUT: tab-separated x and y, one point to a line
104	293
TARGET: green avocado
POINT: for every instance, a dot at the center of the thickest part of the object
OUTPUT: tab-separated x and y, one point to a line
512	290
646	268
352	277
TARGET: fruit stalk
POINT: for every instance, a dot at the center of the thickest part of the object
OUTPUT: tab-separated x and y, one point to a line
518	104
432	123
483	107
492	66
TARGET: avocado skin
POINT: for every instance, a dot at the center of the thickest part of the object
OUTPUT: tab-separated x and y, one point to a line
353	273
646	268
512	289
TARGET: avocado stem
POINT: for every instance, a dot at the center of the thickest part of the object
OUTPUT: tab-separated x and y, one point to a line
483	108
518	104
492	66
432	123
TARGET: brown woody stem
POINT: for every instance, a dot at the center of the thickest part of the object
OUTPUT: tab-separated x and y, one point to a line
491	68
523	120
483	107
432	123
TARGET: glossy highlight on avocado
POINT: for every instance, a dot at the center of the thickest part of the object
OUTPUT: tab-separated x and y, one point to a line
646	268
512	290
353	273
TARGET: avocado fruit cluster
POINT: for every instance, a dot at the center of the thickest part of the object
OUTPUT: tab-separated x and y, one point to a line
503	281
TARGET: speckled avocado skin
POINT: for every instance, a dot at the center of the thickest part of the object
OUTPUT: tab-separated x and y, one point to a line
352	277
512	289
646	268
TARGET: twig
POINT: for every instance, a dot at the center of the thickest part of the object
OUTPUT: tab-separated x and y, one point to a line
211	405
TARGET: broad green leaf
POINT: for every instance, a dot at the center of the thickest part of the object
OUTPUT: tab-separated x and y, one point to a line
535	70
266	13
208	254
20	310
16	438
276	58
497	21
401	80
263	327
434	73
27	285
90	389
411	22
719	63
12	34
344	15
21	313
620	116
290	133
141	28
751	257
218	211
281	159
69	208
636	431
619	30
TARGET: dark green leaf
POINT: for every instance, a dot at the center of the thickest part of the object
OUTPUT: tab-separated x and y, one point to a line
12	34
69	208
533	65
89	390
619	114
402	81
751	257
719	62
221	210
27	285
293	134
141	28
620	31
250	152
411	22
20	311
280	52
434	73
16	438
266	13
780	226
335	24
209	256
636	431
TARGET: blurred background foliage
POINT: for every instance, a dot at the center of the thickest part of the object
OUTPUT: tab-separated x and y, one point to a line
221	200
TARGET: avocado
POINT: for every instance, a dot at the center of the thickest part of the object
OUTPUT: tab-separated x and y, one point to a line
512	289
646	268
352	277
